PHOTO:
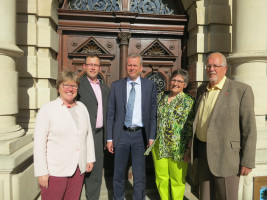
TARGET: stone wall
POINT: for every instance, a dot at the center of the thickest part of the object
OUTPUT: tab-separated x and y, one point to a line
38	68
28	47
238	29
209	30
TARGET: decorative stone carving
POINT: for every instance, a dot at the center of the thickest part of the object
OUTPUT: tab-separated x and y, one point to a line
138	45
94	5
172	47
156	48
140	6
124	38
91	46
158	79
150	7
74	43
109	45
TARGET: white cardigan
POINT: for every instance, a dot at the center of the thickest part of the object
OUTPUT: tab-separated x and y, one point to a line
59	145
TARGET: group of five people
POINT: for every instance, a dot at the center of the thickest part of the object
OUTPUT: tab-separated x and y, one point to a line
131	119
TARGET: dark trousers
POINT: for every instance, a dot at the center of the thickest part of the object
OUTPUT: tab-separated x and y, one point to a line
130	143
214	187
93	180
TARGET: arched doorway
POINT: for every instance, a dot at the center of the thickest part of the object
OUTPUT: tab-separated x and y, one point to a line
114	29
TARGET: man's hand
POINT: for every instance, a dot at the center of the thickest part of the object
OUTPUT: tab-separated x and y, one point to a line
110	147
43	180
187	156
245	171
89	167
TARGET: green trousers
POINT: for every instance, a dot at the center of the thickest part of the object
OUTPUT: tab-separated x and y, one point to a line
170	176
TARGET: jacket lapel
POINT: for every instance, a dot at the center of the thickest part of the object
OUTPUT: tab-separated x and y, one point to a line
143	92
124	92
199	99
222	98
88	86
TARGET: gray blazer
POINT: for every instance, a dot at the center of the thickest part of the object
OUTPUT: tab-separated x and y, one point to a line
231	135
87	96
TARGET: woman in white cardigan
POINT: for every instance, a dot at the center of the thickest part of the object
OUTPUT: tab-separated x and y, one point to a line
63	143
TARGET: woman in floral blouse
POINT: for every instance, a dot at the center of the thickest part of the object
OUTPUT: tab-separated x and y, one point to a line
171	149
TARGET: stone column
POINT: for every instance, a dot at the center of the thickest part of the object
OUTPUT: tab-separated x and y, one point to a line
124	43
248	64
8	76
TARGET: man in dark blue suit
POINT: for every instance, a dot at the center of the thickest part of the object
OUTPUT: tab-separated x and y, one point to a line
131	126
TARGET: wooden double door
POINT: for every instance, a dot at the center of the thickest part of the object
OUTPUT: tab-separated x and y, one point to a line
160	40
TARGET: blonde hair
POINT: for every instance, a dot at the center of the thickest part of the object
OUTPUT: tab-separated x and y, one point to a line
67	76
136	55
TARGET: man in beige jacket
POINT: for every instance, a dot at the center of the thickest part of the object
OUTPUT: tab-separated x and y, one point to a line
224	132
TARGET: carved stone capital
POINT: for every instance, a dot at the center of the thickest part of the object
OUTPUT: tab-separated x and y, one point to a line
124	38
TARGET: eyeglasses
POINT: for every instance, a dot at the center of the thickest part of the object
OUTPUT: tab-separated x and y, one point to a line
178	81
92	64
214	66
67	86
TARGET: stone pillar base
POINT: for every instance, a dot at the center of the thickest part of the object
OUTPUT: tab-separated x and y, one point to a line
16	169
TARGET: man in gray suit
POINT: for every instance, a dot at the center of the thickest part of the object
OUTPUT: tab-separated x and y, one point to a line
94	95
225	131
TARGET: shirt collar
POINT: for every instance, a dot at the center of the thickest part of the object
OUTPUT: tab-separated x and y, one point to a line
97	81
137	81
218	86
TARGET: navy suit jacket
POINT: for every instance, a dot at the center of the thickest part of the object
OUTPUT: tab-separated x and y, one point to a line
117	109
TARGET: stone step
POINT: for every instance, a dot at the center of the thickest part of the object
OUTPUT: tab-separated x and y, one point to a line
151	190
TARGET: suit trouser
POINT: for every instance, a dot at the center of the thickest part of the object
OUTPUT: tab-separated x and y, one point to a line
214	187
170	174
130	142
93	179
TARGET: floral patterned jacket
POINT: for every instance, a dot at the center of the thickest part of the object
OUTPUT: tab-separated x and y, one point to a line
174	125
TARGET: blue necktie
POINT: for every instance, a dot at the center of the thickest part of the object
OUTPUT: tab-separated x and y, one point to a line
130	107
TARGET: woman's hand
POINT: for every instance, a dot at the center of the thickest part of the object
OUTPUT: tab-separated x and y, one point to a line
187	156
89	167
43	180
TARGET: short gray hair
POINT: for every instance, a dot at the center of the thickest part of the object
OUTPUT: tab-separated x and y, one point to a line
182	73
224	61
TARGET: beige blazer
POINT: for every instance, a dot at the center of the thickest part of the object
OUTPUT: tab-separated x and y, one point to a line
231	135
59	145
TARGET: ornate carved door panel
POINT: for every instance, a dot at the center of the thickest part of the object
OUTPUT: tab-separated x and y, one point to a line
76	47
160	58
114	35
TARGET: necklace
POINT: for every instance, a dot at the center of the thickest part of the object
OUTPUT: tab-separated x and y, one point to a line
70	106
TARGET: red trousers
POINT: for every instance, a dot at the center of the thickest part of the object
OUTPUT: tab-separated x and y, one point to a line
67	188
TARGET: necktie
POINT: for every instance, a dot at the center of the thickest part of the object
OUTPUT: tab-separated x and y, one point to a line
130	107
